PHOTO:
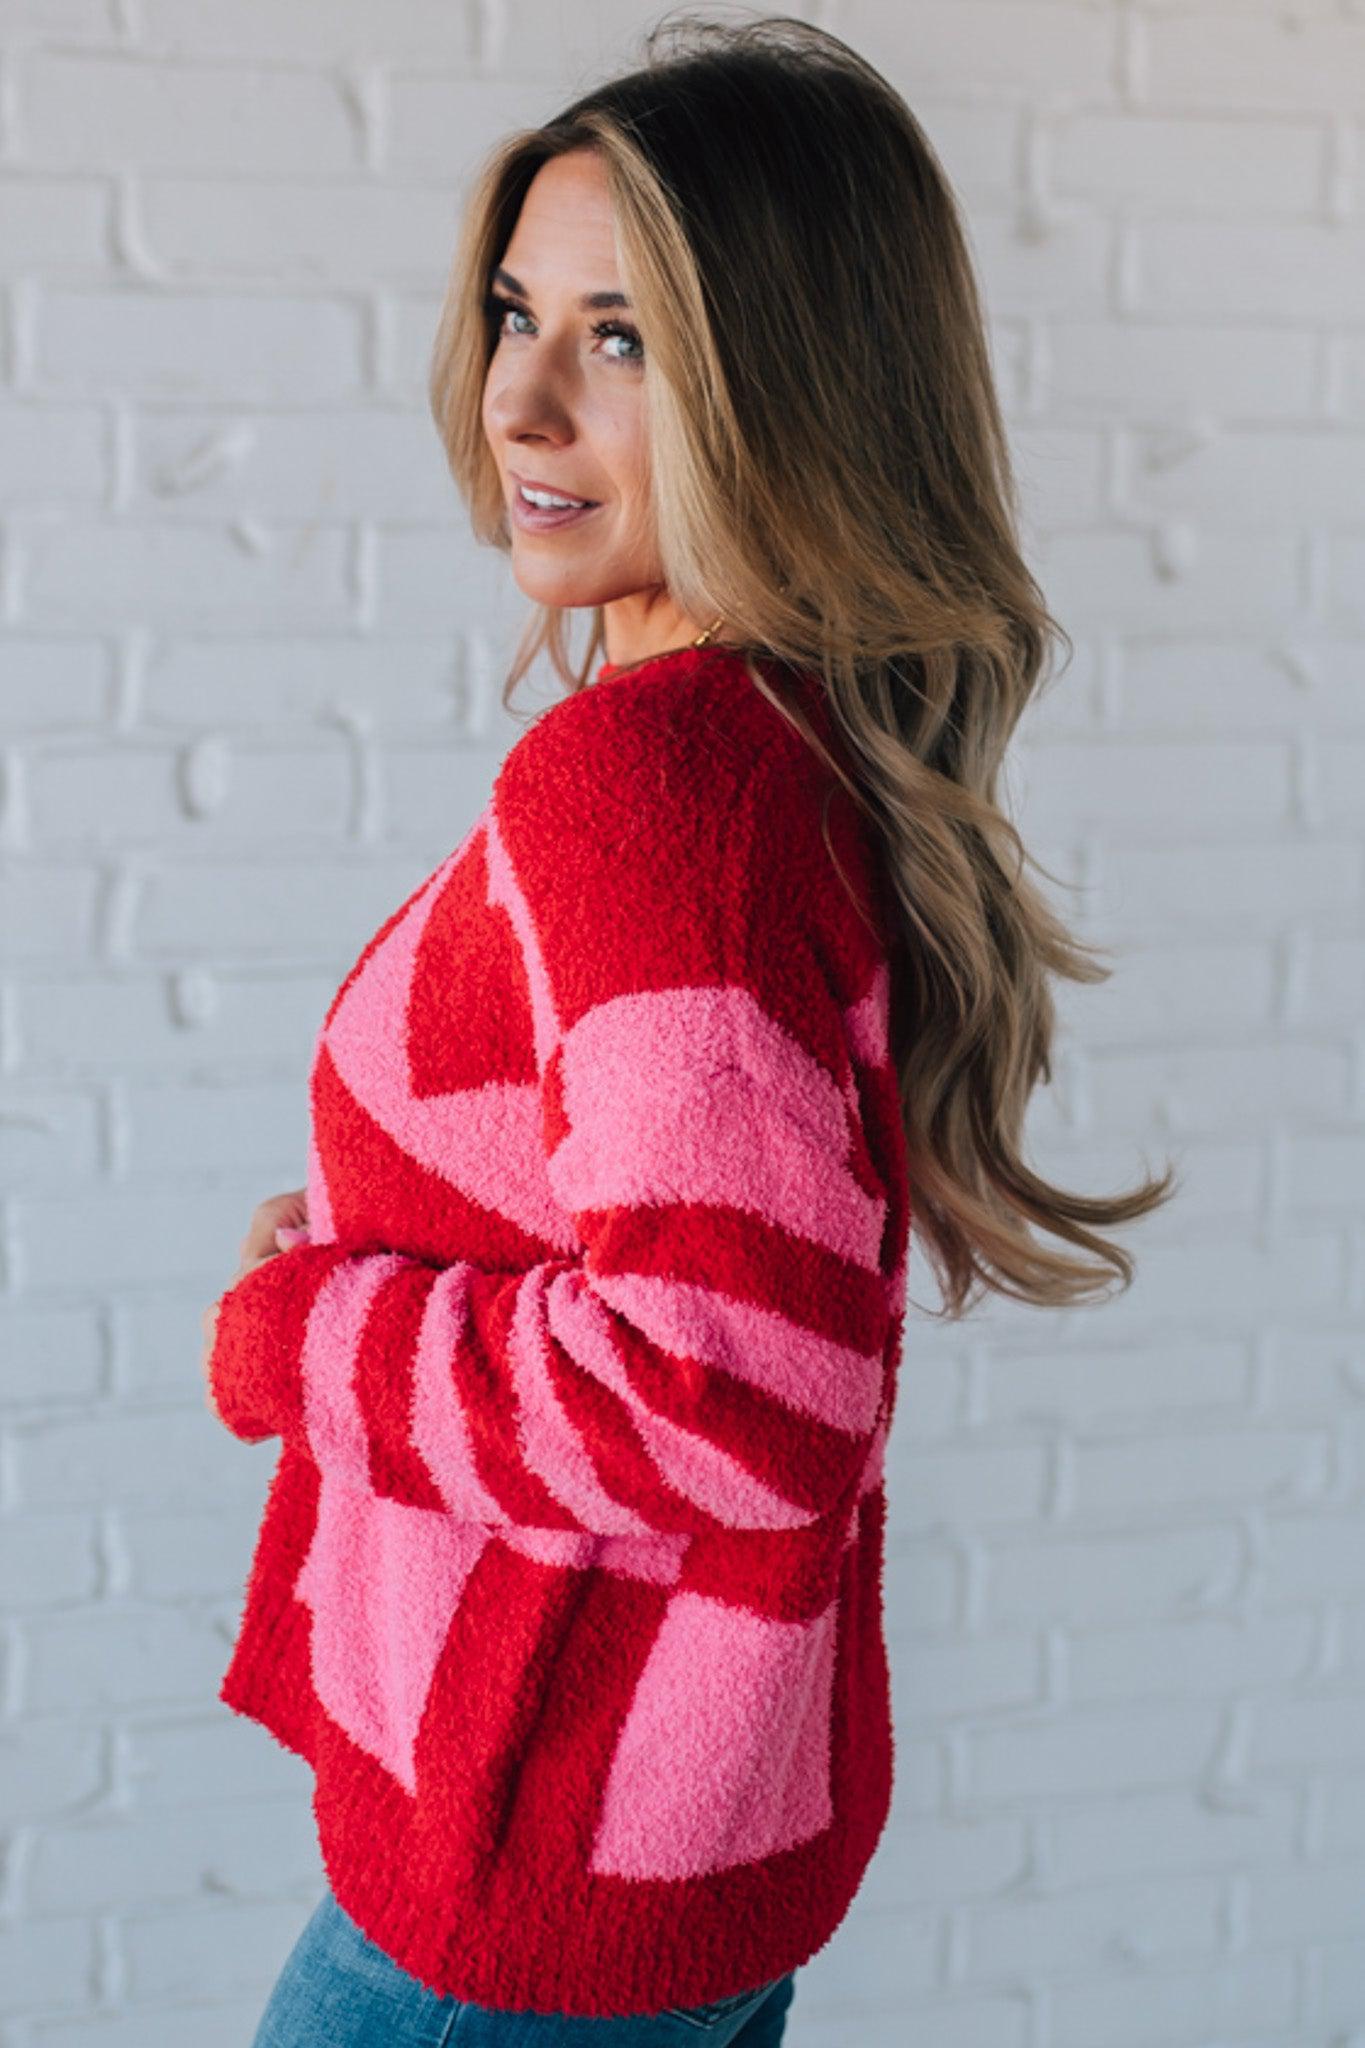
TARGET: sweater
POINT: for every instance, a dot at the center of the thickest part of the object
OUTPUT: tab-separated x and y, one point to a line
568	1583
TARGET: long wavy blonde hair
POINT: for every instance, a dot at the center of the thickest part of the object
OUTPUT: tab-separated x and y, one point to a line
831	478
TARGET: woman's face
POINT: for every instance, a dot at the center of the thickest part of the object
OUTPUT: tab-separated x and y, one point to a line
564	410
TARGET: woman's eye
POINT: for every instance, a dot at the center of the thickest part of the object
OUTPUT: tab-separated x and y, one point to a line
502	307
614	327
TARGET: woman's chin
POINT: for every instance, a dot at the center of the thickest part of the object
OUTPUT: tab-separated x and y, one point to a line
544	581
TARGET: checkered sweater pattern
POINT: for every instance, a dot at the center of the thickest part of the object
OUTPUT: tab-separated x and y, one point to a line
568	1586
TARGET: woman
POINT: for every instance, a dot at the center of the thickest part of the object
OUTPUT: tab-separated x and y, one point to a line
581	1339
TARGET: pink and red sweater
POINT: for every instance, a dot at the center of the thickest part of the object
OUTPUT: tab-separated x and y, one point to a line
568	1584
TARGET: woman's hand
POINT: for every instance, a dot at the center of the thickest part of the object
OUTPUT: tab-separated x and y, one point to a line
278	1224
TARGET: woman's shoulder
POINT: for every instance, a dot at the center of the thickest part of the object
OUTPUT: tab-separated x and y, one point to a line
685	723
679	799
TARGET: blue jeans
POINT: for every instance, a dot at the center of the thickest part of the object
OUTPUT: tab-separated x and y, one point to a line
338	1990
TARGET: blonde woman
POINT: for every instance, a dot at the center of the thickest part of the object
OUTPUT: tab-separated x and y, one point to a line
581	1339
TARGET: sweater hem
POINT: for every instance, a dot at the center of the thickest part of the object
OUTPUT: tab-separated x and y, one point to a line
573	1943
619	1957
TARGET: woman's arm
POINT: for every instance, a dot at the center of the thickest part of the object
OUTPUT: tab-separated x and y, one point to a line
712	1353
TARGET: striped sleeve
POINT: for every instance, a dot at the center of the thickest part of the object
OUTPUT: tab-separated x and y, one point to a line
712	1353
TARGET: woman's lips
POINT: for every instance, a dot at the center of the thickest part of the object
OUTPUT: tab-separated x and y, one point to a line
546	518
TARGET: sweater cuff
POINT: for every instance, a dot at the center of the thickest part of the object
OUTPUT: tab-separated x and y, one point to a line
255	1367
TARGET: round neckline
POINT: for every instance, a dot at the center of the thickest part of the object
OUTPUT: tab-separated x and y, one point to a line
606	669
609	671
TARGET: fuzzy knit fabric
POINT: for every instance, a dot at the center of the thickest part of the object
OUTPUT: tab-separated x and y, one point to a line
568	1586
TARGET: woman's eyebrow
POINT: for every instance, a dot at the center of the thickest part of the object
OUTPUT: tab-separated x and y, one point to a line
588	302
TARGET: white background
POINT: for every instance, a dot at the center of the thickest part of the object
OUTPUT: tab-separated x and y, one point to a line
251	668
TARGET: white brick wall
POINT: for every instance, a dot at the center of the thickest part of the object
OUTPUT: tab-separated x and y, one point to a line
250	698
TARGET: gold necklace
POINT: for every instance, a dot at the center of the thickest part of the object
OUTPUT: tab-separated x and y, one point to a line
700	641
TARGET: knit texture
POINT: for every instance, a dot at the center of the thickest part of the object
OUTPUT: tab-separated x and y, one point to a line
568	1586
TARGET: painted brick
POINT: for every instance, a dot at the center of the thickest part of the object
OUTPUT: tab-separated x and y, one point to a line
251	695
